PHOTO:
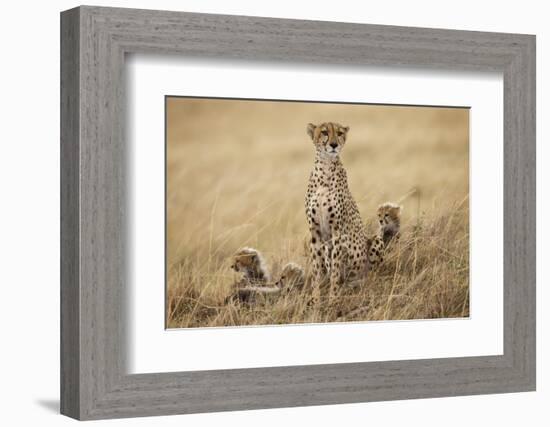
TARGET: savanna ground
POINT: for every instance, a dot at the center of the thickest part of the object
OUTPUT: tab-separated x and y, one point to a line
237	172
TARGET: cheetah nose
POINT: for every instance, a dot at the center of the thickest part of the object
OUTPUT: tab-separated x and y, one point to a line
334	144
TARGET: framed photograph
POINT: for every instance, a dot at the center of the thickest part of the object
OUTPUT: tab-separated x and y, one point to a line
236	179
261	213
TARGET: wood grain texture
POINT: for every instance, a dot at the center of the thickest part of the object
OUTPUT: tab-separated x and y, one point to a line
94	270
70	220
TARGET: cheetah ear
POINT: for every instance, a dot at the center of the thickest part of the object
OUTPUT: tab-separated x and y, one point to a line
311	129
346	128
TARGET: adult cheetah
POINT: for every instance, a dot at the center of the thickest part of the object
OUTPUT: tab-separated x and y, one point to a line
339	242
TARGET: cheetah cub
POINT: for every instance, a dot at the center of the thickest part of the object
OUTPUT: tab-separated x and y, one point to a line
389	225
251	287
292	277
251	263
389	220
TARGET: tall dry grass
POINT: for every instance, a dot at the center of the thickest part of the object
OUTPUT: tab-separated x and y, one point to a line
236	176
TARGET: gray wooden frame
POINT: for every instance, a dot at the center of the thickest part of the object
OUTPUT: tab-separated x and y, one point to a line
94	382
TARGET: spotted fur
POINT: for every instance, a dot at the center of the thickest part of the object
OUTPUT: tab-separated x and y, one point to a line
339	242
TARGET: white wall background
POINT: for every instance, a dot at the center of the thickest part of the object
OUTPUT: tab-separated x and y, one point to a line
29	214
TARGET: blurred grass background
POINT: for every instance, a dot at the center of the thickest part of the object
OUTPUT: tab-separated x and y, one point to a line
237	171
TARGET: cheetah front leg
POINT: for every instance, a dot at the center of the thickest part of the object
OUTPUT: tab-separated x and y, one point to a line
317	251
337	265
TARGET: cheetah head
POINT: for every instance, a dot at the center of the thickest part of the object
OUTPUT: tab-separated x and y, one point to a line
389	213
251	263
329	138
244	259
292	276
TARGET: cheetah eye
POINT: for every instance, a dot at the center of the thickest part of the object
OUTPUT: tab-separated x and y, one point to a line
386	215
340	133
324	132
